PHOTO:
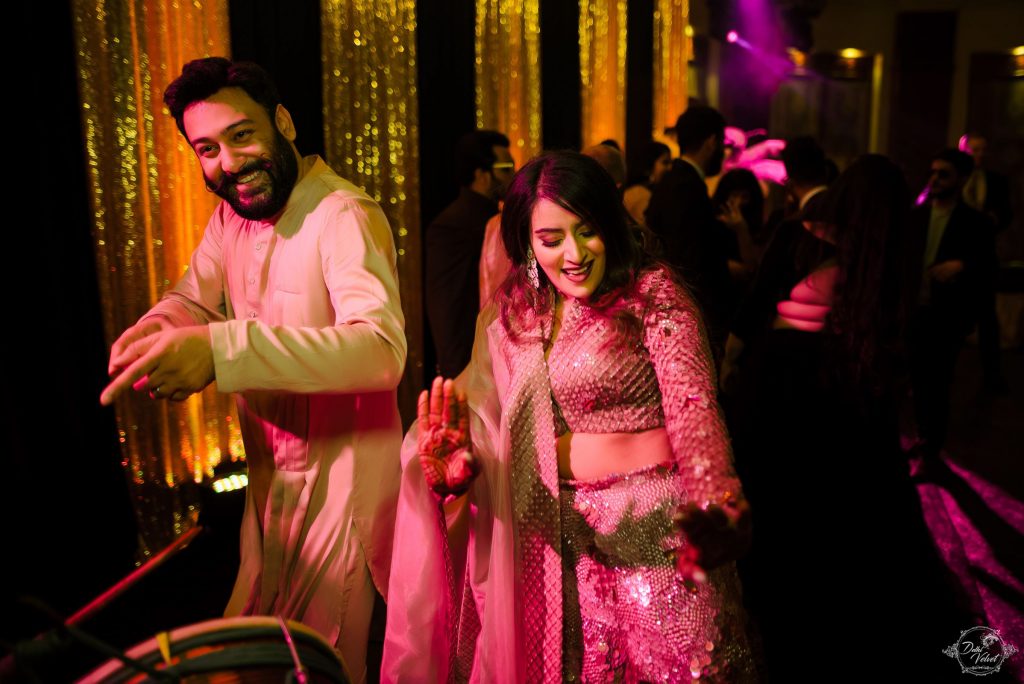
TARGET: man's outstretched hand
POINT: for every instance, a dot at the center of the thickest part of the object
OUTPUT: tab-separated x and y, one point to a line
168	363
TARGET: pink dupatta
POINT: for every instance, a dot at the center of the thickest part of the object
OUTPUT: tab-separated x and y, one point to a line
501	619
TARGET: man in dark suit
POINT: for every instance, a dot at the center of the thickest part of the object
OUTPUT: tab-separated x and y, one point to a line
453	242
680	213
989	193
949	237
808	174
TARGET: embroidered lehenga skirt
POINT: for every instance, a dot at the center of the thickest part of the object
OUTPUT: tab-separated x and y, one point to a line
628	615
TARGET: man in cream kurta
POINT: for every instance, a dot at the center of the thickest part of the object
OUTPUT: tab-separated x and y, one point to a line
295	309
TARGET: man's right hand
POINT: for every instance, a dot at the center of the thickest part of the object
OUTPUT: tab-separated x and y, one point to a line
124	352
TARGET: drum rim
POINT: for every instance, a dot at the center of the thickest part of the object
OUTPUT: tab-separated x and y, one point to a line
239	627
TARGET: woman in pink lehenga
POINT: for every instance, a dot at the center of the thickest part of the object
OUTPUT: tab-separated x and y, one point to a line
569	508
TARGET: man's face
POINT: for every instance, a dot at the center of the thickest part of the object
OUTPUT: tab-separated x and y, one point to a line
502	171
976	147
943	183
245	158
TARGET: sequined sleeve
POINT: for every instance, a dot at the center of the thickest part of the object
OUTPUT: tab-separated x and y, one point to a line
677	343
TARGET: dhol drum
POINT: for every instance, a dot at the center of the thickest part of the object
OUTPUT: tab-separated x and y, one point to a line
228	650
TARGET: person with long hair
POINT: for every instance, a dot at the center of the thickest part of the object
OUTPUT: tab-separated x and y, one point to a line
584	454
825	361
739	200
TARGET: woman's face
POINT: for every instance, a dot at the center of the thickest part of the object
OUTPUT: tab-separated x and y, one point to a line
570	251
663	164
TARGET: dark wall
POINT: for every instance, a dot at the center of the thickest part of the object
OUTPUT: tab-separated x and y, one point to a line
68	526
561	106
922	87
639	79
445	53
284	38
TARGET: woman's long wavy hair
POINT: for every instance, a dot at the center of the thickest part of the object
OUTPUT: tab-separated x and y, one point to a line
581	186
868	207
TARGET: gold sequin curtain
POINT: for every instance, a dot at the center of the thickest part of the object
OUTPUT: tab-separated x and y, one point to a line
603	70
371	132
149	209
672	48
508	72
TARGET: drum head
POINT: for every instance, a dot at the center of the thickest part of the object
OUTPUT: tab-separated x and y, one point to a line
239	649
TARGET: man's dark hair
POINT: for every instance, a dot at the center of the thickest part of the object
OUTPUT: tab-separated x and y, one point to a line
962	162
475	150
805	161
201	78
697	124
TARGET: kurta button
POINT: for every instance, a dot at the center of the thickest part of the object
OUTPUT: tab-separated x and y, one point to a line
259	246
252	314
252	281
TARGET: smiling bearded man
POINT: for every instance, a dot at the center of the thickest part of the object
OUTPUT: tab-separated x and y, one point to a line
279	174
290	301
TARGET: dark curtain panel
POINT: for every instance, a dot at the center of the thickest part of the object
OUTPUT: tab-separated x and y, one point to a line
447	95
284	38
68	527
922	86
561	106
639	79
445	52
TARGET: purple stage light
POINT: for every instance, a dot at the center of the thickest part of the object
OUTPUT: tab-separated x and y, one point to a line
732	36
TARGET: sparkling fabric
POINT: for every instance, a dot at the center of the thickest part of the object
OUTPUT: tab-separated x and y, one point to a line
605	384
149	206
534	482
673	50
508	72
628	615
602	70
520	560
601	386
371	132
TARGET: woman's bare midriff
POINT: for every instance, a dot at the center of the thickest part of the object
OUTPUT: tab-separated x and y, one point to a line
583	456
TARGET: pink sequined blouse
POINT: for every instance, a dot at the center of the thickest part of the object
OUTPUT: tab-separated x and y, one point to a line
602	383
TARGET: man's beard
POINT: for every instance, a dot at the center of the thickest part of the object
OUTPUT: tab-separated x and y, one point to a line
282	171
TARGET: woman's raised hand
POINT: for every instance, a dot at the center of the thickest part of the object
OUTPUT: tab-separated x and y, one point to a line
731	213
443	445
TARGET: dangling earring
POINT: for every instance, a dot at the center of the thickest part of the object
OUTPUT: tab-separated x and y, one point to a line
531	268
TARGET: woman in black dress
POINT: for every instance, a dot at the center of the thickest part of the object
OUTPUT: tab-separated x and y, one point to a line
843	578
